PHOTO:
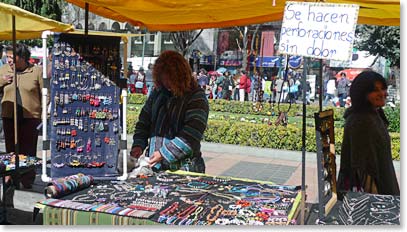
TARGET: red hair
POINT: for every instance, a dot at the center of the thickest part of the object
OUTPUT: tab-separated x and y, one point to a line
172	65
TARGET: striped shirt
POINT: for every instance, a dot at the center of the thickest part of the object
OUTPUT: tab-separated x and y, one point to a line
174	126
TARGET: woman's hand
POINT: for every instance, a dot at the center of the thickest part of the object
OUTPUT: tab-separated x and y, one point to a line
136	152
155	158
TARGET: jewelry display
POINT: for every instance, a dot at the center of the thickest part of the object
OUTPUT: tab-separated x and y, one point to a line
85	106
7	161
369	209
325	140
187	200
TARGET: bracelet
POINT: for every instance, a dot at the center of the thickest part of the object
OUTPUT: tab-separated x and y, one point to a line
173	207
214	213
197	185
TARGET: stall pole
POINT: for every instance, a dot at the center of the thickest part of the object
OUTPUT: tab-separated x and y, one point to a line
44	92
86	18
304	133
15	79
124	135
144	48
321	87
125	71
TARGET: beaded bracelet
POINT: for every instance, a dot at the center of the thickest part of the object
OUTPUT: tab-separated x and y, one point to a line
214	213
197	185
173	207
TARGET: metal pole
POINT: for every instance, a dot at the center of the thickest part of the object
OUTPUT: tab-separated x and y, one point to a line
304	133
321	87
144	48
15	80
86	18
215	48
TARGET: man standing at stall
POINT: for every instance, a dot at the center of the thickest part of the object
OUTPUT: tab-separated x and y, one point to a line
29	85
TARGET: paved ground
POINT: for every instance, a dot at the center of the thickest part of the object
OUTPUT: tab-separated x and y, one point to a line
278	166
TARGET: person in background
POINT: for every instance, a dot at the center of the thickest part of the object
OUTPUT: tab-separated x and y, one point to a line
308	92
266	86
172	121
279	90
330	91
292	90
149	78
235	91
30	83
203	79
243	86
366	161
256	86
140	80
131	80
214	86
219	82
227	86
342	87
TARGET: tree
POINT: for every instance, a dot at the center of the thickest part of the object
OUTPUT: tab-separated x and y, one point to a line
380	40
247	36
48	8
184	39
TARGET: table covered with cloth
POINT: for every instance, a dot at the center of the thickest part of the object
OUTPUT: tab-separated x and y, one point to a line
176	198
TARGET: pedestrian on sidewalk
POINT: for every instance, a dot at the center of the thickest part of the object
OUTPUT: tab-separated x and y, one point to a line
366	160
172	121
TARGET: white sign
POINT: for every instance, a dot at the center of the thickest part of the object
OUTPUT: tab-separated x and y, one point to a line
319	30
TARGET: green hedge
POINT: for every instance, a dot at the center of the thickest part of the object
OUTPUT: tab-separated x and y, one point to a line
248	107
263	135
393	115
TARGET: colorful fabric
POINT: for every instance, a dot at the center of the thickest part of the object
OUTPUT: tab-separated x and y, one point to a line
61	216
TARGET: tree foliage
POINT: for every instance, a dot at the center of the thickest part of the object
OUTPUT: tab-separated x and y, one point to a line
380	40
51	9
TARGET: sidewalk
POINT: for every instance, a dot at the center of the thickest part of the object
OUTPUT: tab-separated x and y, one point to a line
278	166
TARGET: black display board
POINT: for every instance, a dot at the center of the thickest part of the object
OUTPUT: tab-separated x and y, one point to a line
325	136
85	109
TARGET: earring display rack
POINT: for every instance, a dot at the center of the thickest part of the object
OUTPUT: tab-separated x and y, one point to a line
85	105
325	140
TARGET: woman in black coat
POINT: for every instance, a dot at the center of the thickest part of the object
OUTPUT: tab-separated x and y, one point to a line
366	160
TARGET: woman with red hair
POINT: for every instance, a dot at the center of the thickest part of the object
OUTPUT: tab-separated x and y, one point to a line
174	118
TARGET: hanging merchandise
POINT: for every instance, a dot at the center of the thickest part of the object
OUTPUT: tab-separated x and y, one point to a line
325	140
85	112
282	118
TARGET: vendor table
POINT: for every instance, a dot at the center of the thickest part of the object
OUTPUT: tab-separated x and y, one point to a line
359	208
180	198
8	168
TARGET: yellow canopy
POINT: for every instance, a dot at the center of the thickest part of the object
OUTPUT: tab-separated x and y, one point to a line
28	25
177	15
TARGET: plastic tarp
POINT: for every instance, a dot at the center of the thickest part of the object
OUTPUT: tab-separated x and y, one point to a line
178	15
28	25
